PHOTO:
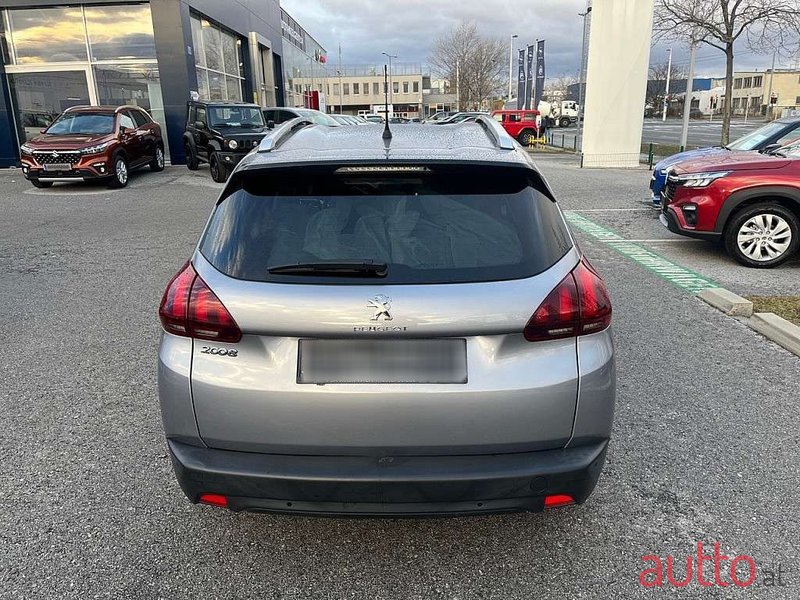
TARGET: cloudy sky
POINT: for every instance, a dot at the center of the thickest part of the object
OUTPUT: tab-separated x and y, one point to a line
365	28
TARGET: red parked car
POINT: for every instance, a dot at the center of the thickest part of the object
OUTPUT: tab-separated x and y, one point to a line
93	142
523	125
750	201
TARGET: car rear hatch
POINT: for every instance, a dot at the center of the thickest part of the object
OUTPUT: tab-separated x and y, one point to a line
382	312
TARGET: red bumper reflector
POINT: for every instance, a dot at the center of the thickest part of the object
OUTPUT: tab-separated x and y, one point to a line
558	500
214	500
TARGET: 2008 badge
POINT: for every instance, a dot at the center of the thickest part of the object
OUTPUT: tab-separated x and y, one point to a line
219	351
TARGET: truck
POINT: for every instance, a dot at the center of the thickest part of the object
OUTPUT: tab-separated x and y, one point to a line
563	114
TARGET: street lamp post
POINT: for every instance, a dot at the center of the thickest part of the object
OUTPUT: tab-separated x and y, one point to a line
666	93
391	90
511	67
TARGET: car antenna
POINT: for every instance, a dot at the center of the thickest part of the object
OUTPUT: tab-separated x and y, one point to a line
387	133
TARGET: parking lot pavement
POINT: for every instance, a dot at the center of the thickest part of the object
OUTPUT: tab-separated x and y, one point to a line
702	133
706	447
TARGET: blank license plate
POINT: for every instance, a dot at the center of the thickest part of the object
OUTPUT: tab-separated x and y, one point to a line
57	167
382	361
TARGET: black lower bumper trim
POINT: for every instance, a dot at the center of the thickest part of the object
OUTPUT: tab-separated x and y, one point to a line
401	485
674	227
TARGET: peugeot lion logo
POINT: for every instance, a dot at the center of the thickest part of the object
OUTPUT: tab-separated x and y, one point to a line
381	305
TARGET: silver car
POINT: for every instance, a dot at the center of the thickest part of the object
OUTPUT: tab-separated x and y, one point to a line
377	326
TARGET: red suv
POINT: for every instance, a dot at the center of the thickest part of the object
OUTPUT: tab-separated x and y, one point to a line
750	201
93	142
523	125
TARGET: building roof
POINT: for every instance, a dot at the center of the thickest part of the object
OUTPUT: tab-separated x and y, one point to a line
463	142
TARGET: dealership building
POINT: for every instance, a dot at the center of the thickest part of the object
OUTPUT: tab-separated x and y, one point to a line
153	54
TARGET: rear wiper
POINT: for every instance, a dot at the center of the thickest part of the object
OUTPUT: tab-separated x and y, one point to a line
340	268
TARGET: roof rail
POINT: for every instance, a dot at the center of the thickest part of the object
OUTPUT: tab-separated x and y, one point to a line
281	134
495	131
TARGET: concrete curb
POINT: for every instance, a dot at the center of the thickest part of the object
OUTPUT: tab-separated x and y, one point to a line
770	325
728	302
777	329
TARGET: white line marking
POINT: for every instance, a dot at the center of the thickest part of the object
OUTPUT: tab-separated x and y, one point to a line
666	241
594	210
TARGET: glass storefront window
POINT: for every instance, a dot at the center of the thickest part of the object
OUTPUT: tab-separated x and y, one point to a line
218	61
121	32
41	97
42	35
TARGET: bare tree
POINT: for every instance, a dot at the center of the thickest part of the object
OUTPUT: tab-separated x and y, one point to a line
763	24
474	64
657	83
558	88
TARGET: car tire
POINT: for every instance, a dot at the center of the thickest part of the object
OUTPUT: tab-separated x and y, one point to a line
41	184
157	164
192	162
762	236
219	172
526	138
120	172
564	122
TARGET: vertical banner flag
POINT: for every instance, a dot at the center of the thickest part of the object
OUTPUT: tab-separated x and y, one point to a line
529	80
539	73
521	79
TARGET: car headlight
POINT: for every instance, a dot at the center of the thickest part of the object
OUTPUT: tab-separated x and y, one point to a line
95	149
233	144
700	180
26	149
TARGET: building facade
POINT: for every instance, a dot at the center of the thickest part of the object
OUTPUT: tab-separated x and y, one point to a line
157	55
305	65
358	90
753	91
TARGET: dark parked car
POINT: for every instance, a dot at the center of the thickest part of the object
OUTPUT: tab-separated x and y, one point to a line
276	116
93	143
220	133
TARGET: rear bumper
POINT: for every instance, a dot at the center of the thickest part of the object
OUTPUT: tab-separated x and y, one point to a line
404	485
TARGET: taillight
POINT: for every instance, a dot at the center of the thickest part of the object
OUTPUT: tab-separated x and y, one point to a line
189	308
214	500
579	305
557	500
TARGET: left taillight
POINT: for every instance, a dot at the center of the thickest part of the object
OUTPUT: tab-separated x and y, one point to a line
190	308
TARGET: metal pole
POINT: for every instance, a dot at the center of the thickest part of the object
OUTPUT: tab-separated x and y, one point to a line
341	101
458	84
582	75
666	93
511	67
769	94
687	102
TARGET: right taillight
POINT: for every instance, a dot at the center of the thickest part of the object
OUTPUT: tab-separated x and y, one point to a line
189	308
579	305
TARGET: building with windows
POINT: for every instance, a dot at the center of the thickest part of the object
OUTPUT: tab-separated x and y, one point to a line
752	91
359	90
305	65
157	55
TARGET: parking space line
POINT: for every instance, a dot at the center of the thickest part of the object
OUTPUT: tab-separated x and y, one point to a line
598	210
679	276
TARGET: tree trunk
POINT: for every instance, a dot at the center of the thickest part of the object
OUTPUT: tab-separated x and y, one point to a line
728	110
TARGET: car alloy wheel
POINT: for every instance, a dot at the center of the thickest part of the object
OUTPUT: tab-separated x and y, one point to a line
121	169
764	237
159	158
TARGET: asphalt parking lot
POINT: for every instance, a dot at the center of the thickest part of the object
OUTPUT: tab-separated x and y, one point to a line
701	132
705	447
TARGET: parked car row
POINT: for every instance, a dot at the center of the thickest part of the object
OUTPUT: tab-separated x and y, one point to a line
745	195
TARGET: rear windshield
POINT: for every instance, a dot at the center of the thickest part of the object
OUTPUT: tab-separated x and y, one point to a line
443	225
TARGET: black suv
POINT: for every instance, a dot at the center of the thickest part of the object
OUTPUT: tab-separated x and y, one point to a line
221	133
